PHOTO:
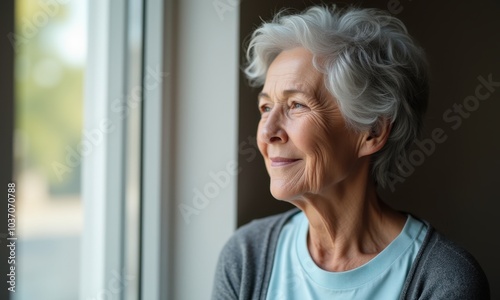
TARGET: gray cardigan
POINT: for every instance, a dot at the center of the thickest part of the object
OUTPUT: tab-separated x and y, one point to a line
441	270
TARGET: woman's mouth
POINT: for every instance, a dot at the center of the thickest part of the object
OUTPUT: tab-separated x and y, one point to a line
282	161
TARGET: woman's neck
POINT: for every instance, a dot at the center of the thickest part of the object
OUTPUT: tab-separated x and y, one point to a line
349	224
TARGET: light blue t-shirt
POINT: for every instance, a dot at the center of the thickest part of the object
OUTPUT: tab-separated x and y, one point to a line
296	277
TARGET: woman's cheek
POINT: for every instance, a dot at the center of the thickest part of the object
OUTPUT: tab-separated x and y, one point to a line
318	167
319	155
261	145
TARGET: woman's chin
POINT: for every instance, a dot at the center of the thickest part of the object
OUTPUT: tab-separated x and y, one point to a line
283	193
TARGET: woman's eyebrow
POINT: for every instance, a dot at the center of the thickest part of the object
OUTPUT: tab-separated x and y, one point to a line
296	91
263	95
285	93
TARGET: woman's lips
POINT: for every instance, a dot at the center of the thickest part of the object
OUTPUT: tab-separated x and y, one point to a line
282	161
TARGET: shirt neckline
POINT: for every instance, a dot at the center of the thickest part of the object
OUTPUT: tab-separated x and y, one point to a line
362	274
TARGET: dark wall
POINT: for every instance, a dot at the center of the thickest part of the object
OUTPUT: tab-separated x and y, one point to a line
454	184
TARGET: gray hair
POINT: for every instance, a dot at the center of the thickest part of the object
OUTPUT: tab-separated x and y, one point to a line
371	65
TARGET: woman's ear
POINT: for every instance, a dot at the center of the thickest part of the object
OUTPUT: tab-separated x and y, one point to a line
375	138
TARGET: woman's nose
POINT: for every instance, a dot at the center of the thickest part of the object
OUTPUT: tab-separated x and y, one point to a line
273	131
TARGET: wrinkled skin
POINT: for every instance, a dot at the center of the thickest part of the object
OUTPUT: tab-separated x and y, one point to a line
323	167
304	124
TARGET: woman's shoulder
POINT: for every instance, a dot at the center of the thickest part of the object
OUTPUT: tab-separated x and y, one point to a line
445	270
261	232
242	270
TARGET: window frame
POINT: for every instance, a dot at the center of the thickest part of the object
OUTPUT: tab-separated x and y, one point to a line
169	245
156	153
103	169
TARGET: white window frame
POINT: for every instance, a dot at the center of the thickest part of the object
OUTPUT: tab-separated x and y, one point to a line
102	170
156	153
186	137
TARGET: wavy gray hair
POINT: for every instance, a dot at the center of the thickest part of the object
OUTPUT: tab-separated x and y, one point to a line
371	65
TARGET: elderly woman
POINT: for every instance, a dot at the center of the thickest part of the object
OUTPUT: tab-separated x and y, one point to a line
343	98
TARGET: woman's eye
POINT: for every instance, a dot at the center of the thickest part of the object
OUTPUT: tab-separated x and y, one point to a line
265	108
297	105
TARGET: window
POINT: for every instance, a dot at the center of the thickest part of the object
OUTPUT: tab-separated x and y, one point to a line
126	131
50	58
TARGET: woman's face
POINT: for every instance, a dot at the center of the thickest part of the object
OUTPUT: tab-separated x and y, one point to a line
302	134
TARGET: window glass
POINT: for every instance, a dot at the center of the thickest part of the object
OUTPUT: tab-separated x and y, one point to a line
50	48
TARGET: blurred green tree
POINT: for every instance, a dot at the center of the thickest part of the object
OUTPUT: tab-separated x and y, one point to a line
49	94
